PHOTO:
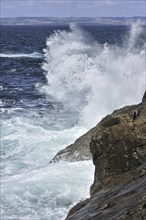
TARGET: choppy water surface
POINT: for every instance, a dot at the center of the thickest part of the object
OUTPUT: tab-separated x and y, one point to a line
56	83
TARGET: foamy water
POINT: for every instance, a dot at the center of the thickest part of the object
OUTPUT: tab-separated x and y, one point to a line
89	80
31	188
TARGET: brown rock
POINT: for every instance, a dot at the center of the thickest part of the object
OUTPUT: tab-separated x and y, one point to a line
118	148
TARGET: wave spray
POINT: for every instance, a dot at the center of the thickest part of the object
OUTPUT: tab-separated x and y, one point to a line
90	78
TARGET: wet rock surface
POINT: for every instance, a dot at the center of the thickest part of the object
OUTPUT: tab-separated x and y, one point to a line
118	149
126	201
78	151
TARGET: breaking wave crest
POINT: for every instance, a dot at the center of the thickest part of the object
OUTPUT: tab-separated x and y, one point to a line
22	55
91	78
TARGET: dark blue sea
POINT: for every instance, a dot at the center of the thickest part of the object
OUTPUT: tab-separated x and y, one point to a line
56	83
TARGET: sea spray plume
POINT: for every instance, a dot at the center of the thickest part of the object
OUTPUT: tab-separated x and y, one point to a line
120	78
90	78
67	60
135	30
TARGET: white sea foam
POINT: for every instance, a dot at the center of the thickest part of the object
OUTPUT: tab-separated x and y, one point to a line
93	79
46	193
34	55
31	188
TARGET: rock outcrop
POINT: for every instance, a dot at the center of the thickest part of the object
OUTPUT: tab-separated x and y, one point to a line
78	151
118	149
144	97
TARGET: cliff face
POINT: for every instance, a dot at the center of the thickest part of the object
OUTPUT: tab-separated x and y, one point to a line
119	144
118	149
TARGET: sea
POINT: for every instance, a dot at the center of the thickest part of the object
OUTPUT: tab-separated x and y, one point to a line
56	83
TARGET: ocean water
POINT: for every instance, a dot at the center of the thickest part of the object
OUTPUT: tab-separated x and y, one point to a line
56	83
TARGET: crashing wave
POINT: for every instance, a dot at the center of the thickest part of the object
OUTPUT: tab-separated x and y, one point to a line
91	78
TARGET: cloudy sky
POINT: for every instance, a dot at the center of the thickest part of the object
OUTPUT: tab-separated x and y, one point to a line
75	8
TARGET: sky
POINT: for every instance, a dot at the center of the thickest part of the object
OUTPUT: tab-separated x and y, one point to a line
72	8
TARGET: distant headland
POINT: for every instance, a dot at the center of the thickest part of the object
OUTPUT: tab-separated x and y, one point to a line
67	20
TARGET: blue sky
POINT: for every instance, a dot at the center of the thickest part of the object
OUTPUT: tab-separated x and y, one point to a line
75	8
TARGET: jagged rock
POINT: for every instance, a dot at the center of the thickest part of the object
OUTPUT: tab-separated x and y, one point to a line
78	151
118	148
144	97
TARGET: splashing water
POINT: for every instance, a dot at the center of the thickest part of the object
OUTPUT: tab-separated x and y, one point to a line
93	79
136	30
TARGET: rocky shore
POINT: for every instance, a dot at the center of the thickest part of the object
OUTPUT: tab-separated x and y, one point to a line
118	148
78	151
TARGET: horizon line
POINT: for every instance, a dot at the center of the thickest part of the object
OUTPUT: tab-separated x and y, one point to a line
75	17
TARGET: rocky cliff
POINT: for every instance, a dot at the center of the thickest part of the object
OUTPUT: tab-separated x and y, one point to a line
118	148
